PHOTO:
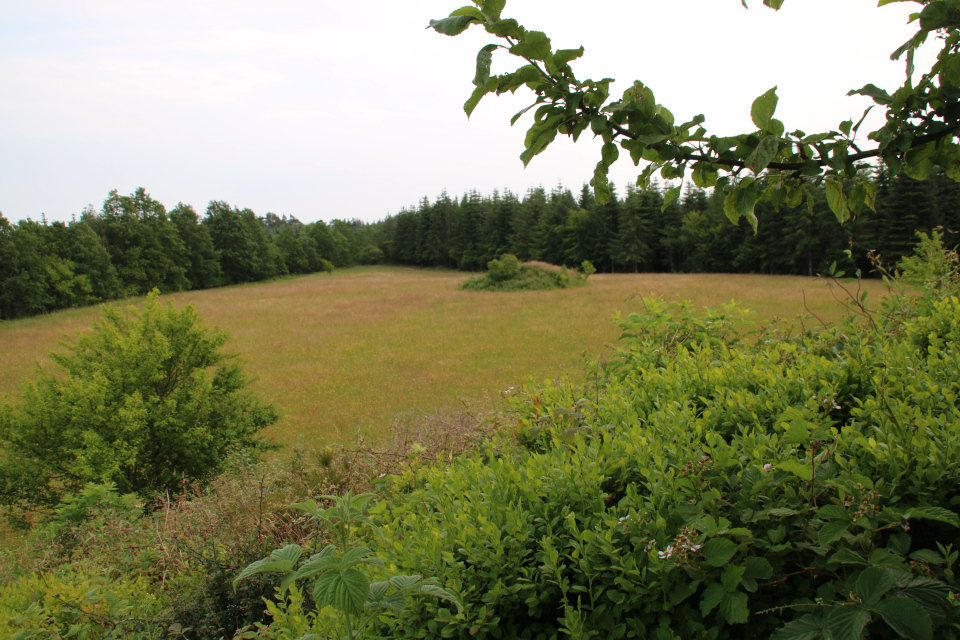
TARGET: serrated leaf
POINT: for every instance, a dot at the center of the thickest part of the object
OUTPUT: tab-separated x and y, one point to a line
712	596
732	575
831	532
439	592
734	608
848	556
493	8
318	562
280	560
847	622
345	591
763	109
872	584
809	627
718	551
758	568
906	617
535	45
929	556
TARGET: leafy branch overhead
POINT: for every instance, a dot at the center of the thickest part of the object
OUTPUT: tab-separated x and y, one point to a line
922	121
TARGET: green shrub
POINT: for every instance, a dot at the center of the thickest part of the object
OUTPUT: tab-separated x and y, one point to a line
708	486
145	401
507	274
506	268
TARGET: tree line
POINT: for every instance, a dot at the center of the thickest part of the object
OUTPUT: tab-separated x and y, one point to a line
133	245
636	233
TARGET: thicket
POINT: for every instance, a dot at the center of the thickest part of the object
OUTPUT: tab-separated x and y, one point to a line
507	274
709	484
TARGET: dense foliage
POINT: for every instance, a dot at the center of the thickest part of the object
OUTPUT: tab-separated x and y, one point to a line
146	400
134	245
709	485
918	134
640	231
507	274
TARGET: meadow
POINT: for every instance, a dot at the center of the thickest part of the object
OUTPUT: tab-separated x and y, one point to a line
353	352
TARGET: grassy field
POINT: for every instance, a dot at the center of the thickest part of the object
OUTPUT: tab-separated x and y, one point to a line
350	352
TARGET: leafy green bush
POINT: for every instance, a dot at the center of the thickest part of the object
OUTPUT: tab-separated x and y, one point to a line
711	487
145	400
507	274
341	579
506	268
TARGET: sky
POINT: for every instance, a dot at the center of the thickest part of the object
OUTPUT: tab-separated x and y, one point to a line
320	110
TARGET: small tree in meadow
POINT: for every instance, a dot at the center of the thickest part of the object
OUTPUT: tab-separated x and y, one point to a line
145	400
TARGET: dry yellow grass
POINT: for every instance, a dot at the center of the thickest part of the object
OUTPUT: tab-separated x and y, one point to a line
349	352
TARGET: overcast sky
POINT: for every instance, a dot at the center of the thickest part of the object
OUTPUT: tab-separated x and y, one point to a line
322	110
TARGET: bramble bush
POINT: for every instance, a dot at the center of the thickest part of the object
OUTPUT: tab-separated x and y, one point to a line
706	485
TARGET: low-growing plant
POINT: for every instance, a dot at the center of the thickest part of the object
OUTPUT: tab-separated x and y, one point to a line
341	579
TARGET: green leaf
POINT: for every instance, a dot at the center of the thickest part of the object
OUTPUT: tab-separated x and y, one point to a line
345	591
763	154
763	109
758	568
467	11
280	560
809	627
801	470
484	60
847	556
474	100
906	617
453	25
670	197
872	91
718	551
506	28
831	532
837	200
439	592
493	8
318	562
732	575
847	622
873	583
711	597
734	607
535	45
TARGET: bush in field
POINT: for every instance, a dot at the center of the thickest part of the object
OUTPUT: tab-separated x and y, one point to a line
145	400
506	268
507	274
781	488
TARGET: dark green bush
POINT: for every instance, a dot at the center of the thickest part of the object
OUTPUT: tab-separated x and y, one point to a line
712	487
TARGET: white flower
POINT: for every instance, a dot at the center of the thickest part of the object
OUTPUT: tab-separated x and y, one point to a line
767	467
